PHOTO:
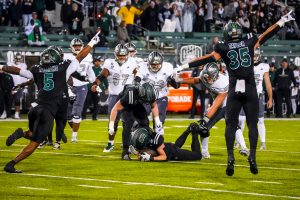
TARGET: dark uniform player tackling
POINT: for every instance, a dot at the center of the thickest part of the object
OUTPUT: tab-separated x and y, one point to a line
238	53
131	101
51	78
150	146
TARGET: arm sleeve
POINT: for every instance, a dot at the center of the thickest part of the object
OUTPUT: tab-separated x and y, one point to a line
26	74
78	76
72	67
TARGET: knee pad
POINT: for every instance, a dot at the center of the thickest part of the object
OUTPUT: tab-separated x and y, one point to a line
76	119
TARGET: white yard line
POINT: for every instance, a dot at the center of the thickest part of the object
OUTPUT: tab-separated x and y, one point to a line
188	162
210	183
267	182
32	188
93	186
162	186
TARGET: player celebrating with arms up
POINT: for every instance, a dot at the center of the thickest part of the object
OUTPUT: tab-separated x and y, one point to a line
237	53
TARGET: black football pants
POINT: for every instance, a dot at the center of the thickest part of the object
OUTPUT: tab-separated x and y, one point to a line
249	102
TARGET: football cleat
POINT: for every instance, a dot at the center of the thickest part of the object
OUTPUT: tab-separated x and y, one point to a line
49	143
108	148
13	137
205	155
263	146
125	155
42	145
244	152
253	166
64	138
230	168
74	139
10	168
56	146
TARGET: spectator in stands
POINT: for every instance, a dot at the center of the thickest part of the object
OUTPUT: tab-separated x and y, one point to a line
34	33
211	47
199	17
6	85
230	10
244	21
127	14
209	15
149	17
50	10
177	17
77	18
39	8
282	81
166	12
5	17
15	13
34	16
188	11
46	24
27	12
297	13
65	14
105	21
122	33
1	12
289	32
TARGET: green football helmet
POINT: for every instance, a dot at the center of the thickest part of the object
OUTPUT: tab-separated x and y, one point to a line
232	31
50	56
60	50
147	92
210	73
140	138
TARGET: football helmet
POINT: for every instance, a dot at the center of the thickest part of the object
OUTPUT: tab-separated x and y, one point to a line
76	45
131	49
232	31
121	54
60	50
18	58
147	92
49	56
257	56
210	73
155	60
140	138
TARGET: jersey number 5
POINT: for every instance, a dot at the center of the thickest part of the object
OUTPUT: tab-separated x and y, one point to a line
48	82
239	59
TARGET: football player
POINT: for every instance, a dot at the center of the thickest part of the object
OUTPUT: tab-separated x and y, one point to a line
131	102
132	52
261	73
50	77
159	74
120	72
237	53
217	84
79	87
150	146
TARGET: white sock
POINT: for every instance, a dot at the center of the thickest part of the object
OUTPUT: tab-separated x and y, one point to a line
204	143
242	120
294	106
261	129
74	135
111	142
240	138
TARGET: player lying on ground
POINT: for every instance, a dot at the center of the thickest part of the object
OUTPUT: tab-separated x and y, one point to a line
150	146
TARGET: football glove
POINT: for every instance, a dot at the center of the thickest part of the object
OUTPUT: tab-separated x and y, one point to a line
95	40
111	128
145	157
204	131
159	128
288	17
72	96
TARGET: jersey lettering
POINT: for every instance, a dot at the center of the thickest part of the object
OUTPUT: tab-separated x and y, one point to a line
48	82
240	58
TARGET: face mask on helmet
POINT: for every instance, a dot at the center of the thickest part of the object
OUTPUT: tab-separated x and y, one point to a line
140	138
76	45
210	73
121	54
49	57
257	56
18	58
155	61
60	50
131	49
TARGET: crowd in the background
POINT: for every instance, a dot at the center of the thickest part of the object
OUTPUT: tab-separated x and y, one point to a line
154	15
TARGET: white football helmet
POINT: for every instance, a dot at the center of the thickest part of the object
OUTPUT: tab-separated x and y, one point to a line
131	49
155	60
257	56
76	45
121	54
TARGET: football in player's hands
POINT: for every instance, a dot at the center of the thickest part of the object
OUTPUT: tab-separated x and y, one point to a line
145	157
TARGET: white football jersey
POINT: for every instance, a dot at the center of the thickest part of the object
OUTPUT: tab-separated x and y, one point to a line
221	85
119	76
158	79
16	78
85	68
259	71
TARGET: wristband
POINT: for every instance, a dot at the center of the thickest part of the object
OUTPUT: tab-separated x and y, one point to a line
156	120
206	119
281	22
111	125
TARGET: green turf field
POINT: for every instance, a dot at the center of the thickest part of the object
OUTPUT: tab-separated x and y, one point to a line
83	171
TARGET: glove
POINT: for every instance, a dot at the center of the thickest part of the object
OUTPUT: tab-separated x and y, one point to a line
285	18
72	96
145	157
111	128
158	126
95	40
98	89
204	132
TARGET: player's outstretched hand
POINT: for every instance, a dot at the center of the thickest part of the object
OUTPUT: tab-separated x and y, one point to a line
95	40
145	157
288	17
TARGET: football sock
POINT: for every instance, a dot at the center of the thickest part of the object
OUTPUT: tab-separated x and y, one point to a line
261	129
204	142
242	120
240	138
111	142
74	135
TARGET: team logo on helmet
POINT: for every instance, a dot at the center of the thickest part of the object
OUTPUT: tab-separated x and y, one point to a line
232	31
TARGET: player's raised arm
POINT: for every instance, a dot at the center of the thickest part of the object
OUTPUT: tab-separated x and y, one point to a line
272	30
86	50
16	71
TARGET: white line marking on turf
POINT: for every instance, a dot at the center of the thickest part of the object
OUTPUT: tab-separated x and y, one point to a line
210	183
161	185
188	162
93	186
268	182
32	188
